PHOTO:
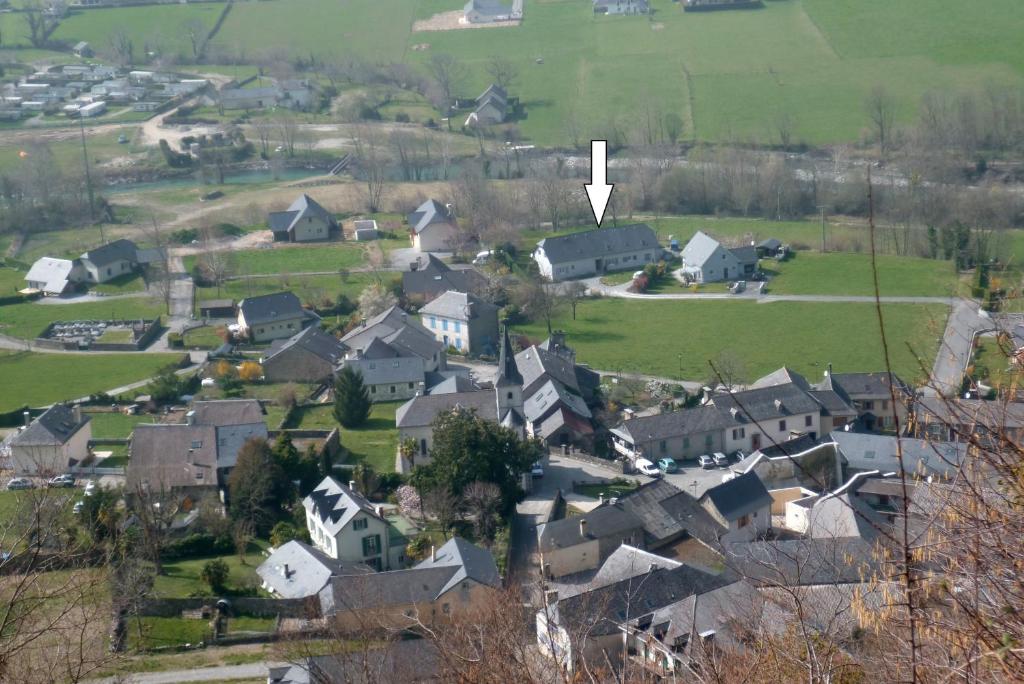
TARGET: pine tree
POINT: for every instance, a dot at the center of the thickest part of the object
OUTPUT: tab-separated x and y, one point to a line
351	399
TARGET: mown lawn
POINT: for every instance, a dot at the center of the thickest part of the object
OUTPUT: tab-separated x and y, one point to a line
206	337
165	631
992	366
678	338
850	274
181	578
115	425
309	289
42	379
323	258
11	280
376	442
131	282
29	319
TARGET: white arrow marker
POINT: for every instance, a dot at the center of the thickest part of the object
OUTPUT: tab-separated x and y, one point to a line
598	189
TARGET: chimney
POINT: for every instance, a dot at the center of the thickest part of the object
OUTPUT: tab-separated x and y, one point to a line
583	527
433	553
828	370
379	510
287	573
778	404
27	417
352	485
190	418
76	411
652	567
551	597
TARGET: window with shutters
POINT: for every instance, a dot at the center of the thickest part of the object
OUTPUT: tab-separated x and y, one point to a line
359	524
371	545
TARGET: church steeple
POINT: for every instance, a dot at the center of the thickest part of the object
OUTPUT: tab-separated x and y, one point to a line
508	372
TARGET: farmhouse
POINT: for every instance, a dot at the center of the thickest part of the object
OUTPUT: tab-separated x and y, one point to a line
54	277
742	505
273	316
344	525
110	261
621	7
296	570
304	221
594	252
402	333
706	260
462	321
47	446
870	395
432	227
424	283
491	107
387	373
308	356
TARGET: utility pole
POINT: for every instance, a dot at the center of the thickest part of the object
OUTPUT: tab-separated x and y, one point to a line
88	175
821	208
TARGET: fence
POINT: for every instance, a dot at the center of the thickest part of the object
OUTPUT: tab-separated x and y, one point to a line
153	330
307	608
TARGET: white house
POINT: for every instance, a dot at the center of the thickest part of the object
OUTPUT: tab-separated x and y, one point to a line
743	505
463	321
433	227
346	526
110	261
54	276
272	316
593	252
57	439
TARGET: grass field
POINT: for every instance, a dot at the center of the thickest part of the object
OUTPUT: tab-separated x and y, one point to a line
115	425
43	379
992	366
72	242
165	631
131	282
11	280
728	75
677	339
376	442
307	288
31	318
181	577
325	258
850	274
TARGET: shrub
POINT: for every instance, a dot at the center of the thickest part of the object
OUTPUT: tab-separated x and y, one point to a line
250	371
215	573
402	117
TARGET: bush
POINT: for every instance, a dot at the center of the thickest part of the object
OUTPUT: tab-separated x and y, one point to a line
215	573
198	544
402	117
175	341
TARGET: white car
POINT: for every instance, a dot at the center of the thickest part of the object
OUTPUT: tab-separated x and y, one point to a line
706	461
647	468
721	459
537	470
90	487
482	258
20	483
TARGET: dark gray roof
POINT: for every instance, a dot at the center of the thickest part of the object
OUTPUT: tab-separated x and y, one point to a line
782	376
471	561
608	606
493	90
428	213
667	513
303	206
118	250
403	660
536	365
402	332
760	404
551	395
421	411
611	520
865	383
666	425
796	562
508	369
450	384
53	427
739	496
790	447
601	242
628	561
271	307
298	570
921	457
771	244
746	254
832	403
979	414
223	412
381	589
313	340
437	277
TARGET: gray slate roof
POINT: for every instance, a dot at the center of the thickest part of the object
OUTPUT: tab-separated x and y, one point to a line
402	332
628	561
782	376
550	395
842	515
470	561
739	496
771	244
313	340
699	249
760	404
428	213
421	411
308	570
746	254
865	383
459	306
437	277
668	513
863	451
536	365
451	385
601	242
170	456
54	427
335	505
612	520
799	562
667	425
118	250
271	307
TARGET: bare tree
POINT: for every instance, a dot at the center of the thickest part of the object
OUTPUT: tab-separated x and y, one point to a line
539	301
217	266
264	130
122	47
41	21
375	299
502	71
483	503
881	110
574	293
287	128
154	511
448	73
195	30
372	161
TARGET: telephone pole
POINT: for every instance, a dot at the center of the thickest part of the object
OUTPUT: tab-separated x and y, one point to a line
821	208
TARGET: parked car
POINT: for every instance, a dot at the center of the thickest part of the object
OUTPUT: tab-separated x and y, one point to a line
61	481
20	483
668	465
721	459
483	257
738	286
90	487
647	468
706	461
537	470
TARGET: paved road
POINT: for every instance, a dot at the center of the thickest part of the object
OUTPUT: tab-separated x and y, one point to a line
965	320
222	673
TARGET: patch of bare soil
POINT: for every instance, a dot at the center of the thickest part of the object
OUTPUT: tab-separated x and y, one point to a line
448	21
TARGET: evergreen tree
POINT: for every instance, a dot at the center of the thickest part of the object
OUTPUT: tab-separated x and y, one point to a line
258	487
351	399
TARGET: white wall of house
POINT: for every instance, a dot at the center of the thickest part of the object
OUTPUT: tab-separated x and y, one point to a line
424	438
572	559
437	237
721	265
95	274
448	331
348	543
764	433
311	229
679	447
46	461
264	332
745	528
585	268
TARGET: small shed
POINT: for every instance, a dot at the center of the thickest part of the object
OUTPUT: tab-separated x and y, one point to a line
365	230
217	308
768	248
82	49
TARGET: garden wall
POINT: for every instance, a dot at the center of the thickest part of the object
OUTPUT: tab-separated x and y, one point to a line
242	605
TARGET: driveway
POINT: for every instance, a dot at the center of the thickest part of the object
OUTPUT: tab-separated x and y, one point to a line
965	320
222	673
